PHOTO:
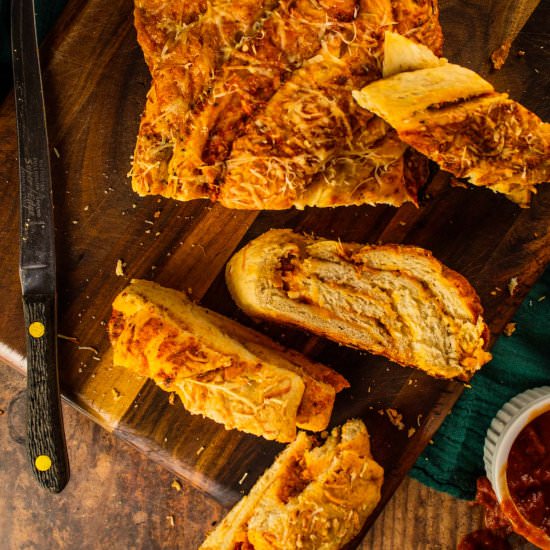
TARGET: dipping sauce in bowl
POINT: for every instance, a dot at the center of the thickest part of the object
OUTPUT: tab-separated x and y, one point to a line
528	481
517	463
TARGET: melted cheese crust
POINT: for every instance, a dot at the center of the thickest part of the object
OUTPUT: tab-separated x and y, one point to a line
218	368
251	102
313	497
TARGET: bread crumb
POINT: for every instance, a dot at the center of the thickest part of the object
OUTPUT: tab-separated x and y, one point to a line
458	183
171	398
171	521
418	419
499	56
156	214
510	328
395	418
241	481
89	348
176	485
411	432
72	339
86	208
119	269
541	299
468	386
513	285
56	152
200	450
520	53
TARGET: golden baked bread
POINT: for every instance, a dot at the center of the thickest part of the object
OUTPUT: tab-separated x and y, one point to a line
251	102
312	497
393	300
218	368
455	117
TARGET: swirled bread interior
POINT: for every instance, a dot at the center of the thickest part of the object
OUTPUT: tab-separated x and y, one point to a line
218	368
313	497
393	300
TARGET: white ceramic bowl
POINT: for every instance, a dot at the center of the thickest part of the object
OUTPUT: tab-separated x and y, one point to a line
505	427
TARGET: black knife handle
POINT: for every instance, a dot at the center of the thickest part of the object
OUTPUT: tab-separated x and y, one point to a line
45	436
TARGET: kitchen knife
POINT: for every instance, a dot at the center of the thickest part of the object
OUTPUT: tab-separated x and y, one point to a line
45	437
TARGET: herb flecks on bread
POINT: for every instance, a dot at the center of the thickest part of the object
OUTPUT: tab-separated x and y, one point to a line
251	102
218	368
457	119
393	300
313	497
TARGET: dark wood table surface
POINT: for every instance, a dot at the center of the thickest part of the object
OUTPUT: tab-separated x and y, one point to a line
119	499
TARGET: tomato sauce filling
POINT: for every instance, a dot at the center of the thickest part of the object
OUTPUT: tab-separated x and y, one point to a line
528	472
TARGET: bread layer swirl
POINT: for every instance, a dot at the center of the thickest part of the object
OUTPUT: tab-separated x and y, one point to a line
393	300
313	497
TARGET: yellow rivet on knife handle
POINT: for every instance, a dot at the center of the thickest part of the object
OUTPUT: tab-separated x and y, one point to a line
37	329
43	463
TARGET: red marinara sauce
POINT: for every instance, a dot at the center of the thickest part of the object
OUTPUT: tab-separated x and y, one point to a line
528	472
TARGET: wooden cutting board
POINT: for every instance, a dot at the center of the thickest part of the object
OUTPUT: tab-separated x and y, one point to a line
96	82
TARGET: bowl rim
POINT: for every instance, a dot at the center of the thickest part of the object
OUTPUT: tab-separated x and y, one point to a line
496	461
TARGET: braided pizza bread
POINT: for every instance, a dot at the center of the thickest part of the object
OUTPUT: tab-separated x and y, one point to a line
251	102
393	300
457	119
312	497
218	368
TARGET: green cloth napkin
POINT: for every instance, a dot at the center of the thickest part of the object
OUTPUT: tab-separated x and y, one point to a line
520	361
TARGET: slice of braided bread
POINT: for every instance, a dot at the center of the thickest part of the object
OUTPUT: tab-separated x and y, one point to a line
312	497
218	368
393	300
456	118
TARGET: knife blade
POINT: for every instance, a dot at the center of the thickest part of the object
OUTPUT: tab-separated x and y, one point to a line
46	446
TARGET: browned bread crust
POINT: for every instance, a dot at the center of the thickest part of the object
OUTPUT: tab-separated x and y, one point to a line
251	102
456	118
313	497
393	300
219	368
